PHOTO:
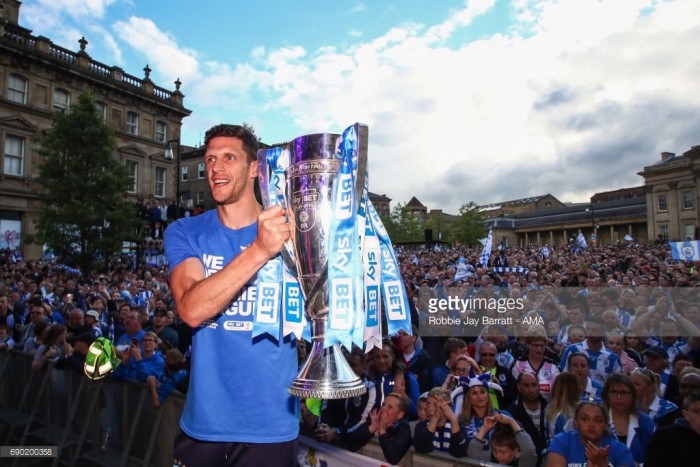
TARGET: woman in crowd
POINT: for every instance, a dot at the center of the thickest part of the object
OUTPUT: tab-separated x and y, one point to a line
647	384
634	347
579	365
477	404
625	422
537	364
615	343
51	348
588	444
33	343
442	430
566	393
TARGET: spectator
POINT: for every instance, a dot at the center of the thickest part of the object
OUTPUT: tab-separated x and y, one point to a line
529	411
510	444
75	351
52	348
677	444
442	430
390	375
566	393
390	425
588	444
602	362
416	360
92	319
656	359
138	366
648	384
132	331
614	343
453	348
76	322
33	343
166	335
578	365
36	316
537	364
476	404
625	422
172	376
499	374
460	367
6	341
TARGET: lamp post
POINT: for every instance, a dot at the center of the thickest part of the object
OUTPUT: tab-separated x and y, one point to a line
168	155
594	227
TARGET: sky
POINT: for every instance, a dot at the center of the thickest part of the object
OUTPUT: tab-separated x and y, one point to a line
477	100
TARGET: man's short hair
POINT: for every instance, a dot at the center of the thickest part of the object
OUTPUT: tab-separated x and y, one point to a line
250	142
690	399
403	401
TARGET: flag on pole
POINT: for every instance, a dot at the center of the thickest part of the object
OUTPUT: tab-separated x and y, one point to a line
486	252
686	251
545	251
628	237
581	240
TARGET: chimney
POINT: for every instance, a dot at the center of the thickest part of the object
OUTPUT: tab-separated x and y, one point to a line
667	155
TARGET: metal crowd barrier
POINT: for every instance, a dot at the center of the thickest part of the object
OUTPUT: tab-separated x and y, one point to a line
107	423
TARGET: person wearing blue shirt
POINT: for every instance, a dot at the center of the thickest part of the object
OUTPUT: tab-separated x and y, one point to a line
237	406
588	445
625	422
137	365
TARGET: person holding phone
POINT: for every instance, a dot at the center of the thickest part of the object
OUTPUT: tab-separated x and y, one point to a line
138	365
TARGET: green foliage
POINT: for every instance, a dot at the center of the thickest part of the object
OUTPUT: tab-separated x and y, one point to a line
402	226
85	215
470	226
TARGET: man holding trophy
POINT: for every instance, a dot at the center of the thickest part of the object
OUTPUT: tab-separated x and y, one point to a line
251	281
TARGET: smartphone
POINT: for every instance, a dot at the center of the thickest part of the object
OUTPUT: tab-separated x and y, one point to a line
134	341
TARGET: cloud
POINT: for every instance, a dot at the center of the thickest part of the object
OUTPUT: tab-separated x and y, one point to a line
358	8
576	97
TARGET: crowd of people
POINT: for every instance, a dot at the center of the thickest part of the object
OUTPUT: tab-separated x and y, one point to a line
610	376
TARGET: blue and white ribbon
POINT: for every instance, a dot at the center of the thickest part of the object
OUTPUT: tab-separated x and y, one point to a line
371	261
267	306
343	256
293	319
398	316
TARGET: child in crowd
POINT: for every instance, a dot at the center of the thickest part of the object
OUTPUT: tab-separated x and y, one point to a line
510	444
173	374
390	425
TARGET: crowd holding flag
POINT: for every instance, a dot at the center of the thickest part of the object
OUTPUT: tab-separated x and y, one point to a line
581	240
486	252
686	251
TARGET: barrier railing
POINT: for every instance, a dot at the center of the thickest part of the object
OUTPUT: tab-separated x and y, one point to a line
113	423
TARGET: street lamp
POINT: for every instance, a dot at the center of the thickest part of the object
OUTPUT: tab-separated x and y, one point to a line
168	155
594	226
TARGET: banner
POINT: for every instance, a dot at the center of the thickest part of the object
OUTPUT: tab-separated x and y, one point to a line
686	251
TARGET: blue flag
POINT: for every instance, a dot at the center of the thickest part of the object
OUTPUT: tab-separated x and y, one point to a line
686	251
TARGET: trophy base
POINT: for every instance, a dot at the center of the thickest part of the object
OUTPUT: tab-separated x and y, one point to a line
326	375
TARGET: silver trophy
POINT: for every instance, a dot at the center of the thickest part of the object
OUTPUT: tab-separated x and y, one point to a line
311	171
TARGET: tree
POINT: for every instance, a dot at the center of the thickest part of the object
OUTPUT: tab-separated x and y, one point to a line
85	215
470	226
403	226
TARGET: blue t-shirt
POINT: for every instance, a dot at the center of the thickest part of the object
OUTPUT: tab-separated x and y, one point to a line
569	445
238	385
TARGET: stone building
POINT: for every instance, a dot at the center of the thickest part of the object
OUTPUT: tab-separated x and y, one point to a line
38	77
672	195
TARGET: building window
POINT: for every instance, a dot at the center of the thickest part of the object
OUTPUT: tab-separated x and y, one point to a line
184	170
689	232
663	231
161	132
133	169
14	155
201	172
159	183
102	110
688	201
661	205
61	100
200	198
17	89
132	123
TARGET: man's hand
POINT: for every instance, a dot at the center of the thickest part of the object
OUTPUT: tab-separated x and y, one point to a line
325	433
273	230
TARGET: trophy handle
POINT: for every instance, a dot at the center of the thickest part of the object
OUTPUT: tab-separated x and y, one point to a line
362	132
264	182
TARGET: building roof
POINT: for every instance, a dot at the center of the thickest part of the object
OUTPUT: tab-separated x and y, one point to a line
595	212
513	202
414	203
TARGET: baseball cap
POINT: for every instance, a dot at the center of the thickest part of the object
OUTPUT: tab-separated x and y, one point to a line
93	313
658	352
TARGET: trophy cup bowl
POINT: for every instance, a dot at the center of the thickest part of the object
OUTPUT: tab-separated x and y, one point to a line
310	179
